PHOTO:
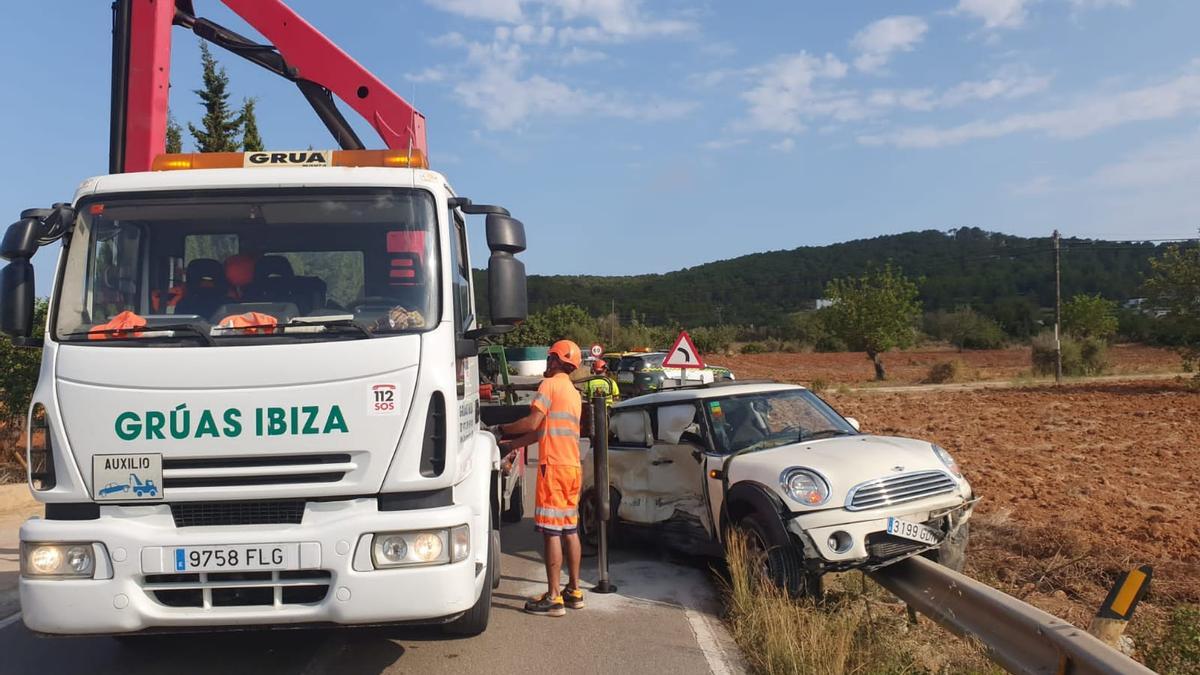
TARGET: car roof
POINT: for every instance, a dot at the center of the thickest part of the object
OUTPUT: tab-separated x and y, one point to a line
698	393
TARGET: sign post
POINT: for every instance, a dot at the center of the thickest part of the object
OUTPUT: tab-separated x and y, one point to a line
602	489
683	355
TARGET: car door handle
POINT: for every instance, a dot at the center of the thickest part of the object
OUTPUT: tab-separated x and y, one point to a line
662	461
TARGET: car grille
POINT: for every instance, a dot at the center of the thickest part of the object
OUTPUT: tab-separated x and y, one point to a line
239	589
900	489
883	546
276	512
206	472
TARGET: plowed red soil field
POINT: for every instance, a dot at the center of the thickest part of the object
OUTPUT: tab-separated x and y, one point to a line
1079	483
909	367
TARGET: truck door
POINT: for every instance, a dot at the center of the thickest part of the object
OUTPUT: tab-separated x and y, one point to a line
467	370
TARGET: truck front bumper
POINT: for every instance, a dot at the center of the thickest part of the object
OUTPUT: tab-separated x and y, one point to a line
332	537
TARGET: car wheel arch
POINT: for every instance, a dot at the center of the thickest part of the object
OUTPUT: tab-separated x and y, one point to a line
750	497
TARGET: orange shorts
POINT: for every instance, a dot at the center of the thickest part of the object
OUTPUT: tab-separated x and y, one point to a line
556	509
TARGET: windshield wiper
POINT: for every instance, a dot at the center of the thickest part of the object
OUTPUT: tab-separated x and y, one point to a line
825	433
191	329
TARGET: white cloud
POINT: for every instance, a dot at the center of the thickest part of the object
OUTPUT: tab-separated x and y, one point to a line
427	75
785	93
490	10
1172	162
786	145
724	143
508	98
880	40
1100	4
1090	115
602	20
1005	85
577	56
996	13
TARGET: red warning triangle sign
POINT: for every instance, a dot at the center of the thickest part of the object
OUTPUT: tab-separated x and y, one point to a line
683	354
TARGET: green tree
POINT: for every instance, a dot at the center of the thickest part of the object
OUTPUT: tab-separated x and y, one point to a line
220	126
1174	286
251	140
174	135
555	323
1090	316
18	376
874	312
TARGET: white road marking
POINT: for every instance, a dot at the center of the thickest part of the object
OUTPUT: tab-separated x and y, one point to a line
5	623
710	646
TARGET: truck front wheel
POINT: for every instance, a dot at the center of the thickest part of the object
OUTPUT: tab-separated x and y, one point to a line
778	561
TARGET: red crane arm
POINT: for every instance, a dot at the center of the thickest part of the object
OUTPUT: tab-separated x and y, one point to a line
142	65
316	58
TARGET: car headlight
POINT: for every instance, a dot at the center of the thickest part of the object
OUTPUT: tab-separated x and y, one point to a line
805	486
430	547
66	560
946	459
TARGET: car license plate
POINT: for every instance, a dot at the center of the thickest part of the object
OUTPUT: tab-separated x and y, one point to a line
913	531
127	477
236	558
625	377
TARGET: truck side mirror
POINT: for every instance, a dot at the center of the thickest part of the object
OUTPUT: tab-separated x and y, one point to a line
505	234
507	299
16	298
21	239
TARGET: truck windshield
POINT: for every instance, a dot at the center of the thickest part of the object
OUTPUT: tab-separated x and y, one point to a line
773	418
248	267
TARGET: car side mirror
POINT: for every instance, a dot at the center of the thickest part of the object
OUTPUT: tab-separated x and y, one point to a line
854	423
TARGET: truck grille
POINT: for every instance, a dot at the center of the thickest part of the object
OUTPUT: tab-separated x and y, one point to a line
205	472
239	589
898	489
274	512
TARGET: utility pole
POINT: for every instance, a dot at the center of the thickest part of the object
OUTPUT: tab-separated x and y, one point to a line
1057	310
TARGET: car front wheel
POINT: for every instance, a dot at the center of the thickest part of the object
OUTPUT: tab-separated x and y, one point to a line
953	551
778	561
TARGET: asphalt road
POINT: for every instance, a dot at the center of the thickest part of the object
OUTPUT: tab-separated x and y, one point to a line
662	620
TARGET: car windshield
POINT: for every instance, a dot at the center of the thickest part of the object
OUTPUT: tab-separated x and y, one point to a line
769	419
247	267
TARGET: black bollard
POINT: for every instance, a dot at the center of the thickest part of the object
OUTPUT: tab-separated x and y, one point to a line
601	487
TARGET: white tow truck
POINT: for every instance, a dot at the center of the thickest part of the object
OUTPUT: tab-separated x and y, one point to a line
258	400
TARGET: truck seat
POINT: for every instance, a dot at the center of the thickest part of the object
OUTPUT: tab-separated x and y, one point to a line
274	280
205	288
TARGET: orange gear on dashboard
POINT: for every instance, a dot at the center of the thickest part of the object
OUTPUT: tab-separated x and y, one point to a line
250	323
121	325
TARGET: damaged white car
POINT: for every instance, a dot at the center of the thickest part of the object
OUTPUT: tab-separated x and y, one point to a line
811	493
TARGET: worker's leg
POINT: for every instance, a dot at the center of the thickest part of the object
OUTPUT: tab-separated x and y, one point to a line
574	554
554	556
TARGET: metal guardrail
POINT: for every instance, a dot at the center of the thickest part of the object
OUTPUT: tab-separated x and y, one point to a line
1017	636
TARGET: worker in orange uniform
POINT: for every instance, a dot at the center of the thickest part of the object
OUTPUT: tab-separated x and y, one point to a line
553	423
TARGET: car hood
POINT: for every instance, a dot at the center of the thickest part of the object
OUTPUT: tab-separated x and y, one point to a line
844	462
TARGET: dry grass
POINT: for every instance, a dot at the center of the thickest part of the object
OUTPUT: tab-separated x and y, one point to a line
858	628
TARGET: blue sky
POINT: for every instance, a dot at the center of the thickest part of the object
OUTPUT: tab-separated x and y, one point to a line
647	136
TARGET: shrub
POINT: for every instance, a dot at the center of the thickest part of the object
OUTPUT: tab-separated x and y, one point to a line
754	348
945	371
818	385
1090	316
1179	649
965	329
714	339
1079	357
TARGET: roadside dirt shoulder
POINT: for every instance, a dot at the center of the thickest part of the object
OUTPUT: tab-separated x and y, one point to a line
16	505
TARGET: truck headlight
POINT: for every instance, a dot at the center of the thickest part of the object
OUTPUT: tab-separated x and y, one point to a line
946	459
409	549
805	486
60	560
460	543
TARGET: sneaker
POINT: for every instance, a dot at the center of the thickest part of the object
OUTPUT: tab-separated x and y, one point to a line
573	598
546	606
